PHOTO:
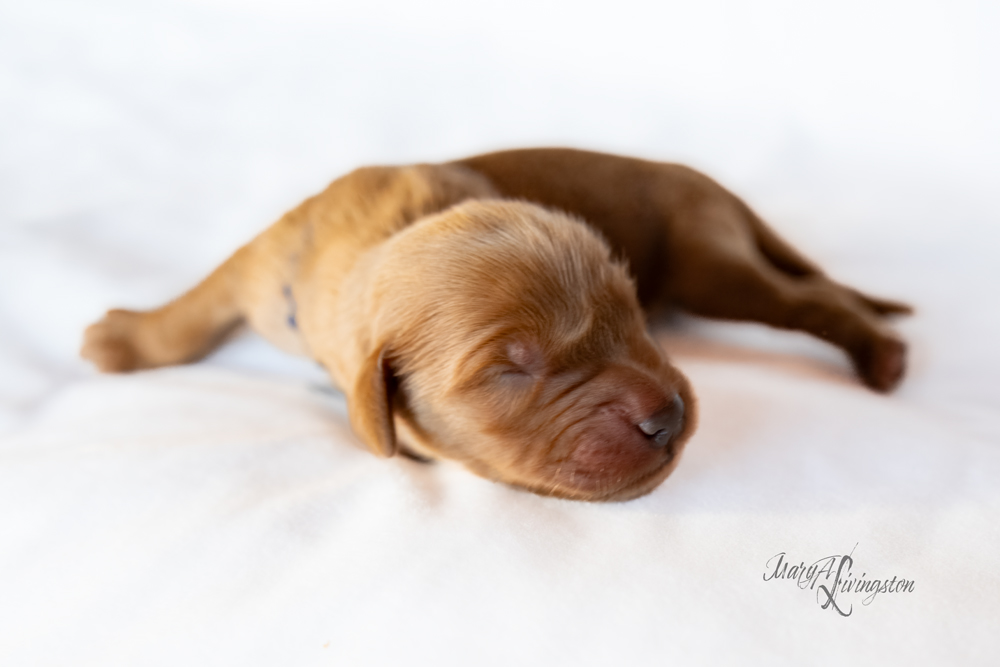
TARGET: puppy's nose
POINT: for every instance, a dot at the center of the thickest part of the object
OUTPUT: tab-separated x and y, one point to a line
665	424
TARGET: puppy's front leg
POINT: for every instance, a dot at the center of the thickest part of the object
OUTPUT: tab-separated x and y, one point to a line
183	330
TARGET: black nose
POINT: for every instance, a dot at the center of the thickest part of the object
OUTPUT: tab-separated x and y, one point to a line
664	426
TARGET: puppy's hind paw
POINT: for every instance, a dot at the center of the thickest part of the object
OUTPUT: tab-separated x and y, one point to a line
110	342
883	363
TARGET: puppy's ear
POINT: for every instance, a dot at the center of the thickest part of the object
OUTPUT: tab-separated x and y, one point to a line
370	406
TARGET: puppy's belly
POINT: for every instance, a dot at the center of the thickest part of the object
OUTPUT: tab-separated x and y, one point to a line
277	319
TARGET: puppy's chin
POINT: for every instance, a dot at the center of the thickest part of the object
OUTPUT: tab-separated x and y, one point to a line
595	472
598	488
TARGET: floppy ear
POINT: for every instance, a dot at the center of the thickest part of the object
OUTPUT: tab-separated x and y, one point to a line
370	405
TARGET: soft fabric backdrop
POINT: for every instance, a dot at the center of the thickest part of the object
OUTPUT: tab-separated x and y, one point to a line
222	513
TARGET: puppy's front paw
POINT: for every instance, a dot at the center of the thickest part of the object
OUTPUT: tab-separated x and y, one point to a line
110	343
883	363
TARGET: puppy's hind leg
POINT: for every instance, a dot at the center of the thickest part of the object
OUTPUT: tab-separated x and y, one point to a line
183	330
722	272
788	260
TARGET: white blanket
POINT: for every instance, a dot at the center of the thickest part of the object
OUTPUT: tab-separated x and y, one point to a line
222	513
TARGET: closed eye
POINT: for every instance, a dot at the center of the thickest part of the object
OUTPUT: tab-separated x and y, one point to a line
514	372
514	377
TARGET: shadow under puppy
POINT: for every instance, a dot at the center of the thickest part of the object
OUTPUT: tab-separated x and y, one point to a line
470	310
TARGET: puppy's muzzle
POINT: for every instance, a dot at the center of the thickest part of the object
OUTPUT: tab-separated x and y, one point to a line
633	434
666	424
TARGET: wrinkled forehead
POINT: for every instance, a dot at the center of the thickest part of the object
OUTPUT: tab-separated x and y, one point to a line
483	273
555	287
565	322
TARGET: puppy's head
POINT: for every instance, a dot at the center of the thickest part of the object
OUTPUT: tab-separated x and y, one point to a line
504	336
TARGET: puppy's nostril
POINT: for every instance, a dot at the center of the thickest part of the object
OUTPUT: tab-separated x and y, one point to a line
663	426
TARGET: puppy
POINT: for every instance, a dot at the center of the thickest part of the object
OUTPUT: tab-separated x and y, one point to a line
477	310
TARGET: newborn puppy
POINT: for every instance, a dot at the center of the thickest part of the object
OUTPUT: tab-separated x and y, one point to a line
465	322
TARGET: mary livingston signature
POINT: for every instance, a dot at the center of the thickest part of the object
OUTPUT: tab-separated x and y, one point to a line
831	577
